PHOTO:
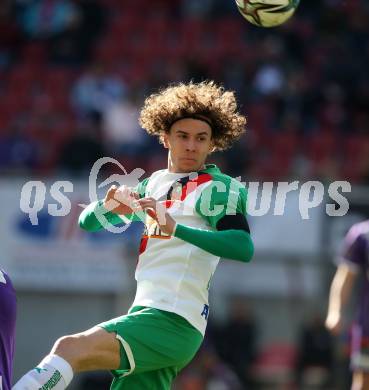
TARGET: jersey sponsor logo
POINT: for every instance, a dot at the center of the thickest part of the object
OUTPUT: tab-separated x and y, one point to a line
205	312
152	230
52	382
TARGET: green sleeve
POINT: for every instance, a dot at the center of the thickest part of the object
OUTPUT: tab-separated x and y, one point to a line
231	244
89	221
225	196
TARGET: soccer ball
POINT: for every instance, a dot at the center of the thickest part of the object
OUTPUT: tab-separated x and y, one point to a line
267	13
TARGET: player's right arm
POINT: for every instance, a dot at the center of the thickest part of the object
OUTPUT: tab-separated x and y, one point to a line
339	294
115	208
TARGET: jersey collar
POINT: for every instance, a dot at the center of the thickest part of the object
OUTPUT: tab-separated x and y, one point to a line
210	168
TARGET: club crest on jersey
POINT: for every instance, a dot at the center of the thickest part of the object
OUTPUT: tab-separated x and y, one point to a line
205	312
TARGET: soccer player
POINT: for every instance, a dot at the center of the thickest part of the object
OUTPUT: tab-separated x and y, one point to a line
353	262
194	214
8	310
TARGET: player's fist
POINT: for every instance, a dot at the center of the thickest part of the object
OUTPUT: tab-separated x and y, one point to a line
157	211
119	199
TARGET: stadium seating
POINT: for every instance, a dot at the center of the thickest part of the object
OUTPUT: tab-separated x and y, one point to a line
135	45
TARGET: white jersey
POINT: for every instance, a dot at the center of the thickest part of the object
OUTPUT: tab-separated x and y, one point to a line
171	274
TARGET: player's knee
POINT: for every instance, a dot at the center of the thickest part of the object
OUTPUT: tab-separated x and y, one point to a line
90	350
69	348
64	345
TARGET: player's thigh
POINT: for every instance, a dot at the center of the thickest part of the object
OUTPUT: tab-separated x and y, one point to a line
94	349
151	380
152	340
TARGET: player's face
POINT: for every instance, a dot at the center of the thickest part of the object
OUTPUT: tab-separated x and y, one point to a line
189	142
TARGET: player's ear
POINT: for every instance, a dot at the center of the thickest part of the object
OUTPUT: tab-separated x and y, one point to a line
165	140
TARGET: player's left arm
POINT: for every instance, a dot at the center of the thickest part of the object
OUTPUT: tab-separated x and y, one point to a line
232	243
224	211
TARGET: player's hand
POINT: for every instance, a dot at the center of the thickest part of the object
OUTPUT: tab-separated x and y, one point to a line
119	200
158	212
333	323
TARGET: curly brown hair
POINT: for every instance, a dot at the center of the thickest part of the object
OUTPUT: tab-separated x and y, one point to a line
205	99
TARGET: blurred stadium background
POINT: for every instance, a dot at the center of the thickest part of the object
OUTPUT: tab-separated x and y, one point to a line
73	75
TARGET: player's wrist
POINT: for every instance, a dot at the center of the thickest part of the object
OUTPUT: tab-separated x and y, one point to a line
103	207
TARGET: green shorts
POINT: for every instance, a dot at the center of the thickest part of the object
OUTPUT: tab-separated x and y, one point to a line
155	346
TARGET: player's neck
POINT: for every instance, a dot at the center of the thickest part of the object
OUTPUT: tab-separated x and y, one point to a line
173	169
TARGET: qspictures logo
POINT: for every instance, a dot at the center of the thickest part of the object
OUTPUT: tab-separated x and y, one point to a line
262	198
33	194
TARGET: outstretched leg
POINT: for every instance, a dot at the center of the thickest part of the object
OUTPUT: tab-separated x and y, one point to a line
94	349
